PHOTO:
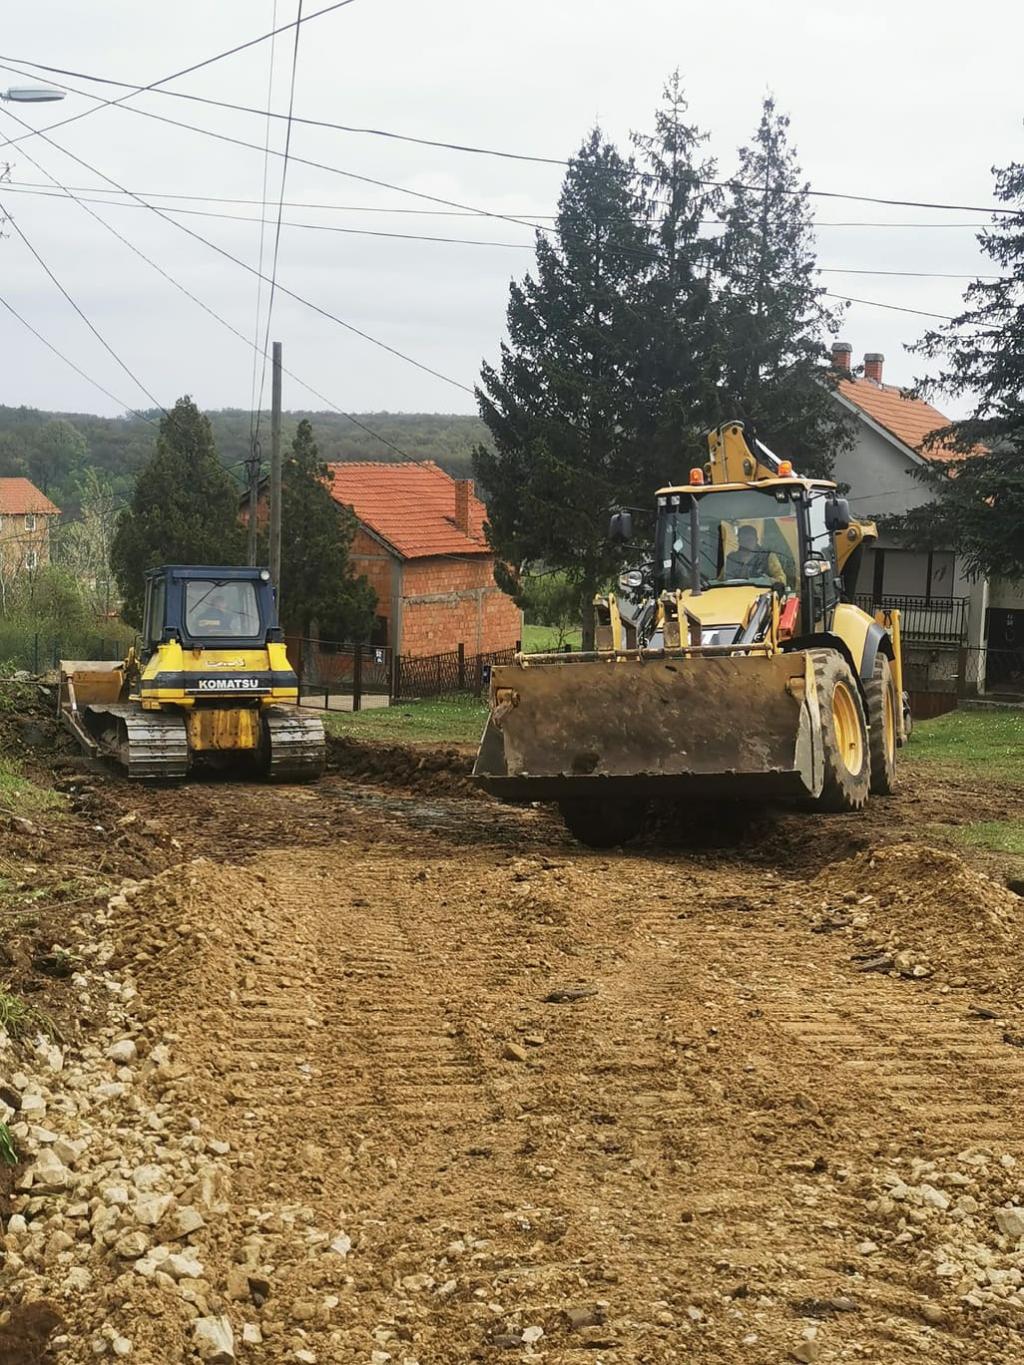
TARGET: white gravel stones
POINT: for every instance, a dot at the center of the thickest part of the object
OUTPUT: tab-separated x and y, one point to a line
150	1209
342	1244
214	1340
49	1172
1010	1222
123	1052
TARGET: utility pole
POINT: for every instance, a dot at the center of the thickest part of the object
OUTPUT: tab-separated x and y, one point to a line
275	470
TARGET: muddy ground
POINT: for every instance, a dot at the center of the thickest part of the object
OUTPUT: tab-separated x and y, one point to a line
749	1091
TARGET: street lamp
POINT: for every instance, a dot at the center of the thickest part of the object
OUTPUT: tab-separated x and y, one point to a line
31	94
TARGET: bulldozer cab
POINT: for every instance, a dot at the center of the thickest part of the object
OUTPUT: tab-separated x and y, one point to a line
208	607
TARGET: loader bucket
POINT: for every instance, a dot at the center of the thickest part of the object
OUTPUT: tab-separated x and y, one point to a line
738	725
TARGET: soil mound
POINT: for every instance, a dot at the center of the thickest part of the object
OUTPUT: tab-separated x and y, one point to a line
442	771
924	912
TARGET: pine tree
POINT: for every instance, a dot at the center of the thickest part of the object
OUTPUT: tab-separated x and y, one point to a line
318	586
979	505
772	314
677	367
184	509
560	408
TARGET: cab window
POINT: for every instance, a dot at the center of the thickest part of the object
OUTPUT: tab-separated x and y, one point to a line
222	609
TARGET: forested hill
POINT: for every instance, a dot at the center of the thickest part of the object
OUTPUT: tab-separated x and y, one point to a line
56	449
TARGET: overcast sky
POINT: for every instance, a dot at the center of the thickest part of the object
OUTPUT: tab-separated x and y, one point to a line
904	99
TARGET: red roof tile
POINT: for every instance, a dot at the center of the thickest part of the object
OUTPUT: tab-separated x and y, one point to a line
411	506
18	496
910	420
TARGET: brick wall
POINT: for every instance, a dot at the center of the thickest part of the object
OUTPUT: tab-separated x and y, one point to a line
448	602
370	558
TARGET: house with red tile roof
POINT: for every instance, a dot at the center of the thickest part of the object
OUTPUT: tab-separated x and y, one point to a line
26	518
943	608
420	542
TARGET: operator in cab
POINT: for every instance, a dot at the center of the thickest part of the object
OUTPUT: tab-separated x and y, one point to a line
749	560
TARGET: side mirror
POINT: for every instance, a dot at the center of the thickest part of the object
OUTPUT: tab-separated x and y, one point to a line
837	514
620	528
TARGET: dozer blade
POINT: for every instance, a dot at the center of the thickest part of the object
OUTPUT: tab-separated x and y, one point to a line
728	725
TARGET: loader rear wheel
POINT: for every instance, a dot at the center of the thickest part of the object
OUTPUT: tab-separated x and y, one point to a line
883	724
844	734
600	823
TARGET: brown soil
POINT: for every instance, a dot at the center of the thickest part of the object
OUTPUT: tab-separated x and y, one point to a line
644	1100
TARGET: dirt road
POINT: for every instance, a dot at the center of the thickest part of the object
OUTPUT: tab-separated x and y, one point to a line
744	1094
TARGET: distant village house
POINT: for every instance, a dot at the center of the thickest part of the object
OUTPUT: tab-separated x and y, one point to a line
420	542
26	520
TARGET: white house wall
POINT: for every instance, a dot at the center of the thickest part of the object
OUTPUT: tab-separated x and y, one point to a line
880	477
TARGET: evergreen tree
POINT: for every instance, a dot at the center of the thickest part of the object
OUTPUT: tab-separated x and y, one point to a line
184	509
677	368
979	505
772	315
560	408
317	583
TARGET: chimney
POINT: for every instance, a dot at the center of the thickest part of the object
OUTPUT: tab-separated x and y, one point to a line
873	362
841	353
463	488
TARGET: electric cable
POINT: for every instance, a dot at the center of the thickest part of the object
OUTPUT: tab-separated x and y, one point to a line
252	270
77	368
280	211
485	151
82	314
175	75
212	313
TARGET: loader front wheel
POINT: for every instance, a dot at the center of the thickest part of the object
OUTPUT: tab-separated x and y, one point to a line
883	724
600	823
844	734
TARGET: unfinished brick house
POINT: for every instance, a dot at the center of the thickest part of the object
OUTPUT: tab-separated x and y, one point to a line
26	517
420	542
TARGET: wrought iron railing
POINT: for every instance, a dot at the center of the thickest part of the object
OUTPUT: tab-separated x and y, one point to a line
924	620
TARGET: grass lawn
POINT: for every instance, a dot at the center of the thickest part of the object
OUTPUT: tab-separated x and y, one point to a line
989	740
444	720
19	796
544	639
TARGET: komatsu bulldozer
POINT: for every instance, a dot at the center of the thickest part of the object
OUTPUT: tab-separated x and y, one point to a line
210	685
733	665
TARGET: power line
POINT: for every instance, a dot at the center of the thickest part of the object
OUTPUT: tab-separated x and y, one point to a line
892	307
81	313
297	160
77	368
175	75
456	241
485	151
449	213
252	270
208	310
253	439
307	122
280	211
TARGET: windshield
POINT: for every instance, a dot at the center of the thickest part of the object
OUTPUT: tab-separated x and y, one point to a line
225	608
744	536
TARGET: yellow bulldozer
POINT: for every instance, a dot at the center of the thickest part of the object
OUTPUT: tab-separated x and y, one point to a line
734	665
210	685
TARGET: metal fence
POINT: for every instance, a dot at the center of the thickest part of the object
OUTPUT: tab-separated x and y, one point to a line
438	675
37	654
330	670
936	620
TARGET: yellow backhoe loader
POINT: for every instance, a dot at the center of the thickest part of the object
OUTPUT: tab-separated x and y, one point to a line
735	665
210	686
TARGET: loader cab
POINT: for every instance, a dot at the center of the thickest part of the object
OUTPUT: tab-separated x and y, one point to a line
209	607
776	534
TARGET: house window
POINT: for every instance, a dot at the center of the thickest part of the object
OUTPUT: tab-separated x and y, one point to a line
32	560
30	521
